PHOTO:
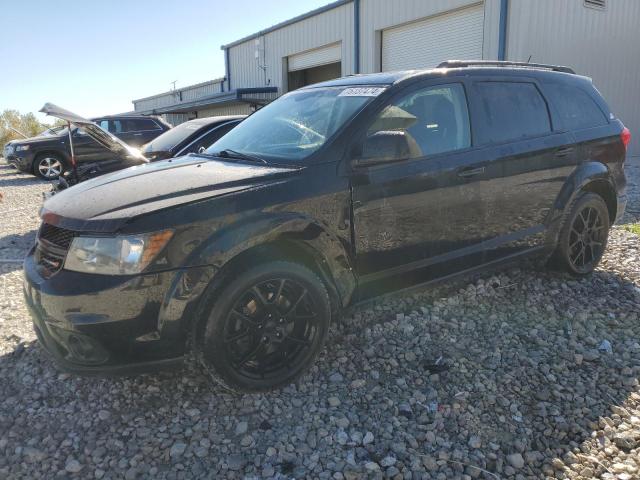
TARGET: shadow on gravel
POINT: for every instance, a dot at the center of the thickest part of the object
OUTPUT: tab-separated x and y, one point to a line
13	178
13	249
523	374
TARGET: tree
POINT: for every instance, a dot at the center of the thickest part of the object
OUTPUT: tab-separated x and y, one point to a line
26	123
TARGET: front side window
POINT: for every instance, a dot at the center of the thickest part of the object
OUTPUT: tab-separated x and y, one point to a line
510	111
432	120
104	124
576	108
297	124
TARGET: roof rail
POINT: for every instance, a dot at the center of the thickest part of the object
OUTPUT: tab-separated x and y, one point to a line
496	63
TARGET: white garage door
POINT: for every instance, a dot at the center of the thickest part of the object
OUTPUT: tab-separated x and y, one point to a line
424	44
316	57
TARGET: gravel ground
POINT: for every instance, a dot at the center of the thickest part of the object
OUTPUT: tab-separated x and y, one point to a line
521	390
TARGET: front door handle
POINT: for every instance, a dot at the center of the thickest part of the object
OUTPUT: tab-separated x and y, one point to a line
564	152
471	172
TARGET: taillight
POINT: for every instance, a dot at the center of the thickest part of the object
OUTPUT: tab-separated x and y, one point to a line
626	137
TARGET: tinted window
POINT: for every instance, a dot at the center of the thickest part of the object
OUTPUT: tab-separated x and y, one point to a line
133	125
433	120
510	111
576	108
145	124
215	135
104	124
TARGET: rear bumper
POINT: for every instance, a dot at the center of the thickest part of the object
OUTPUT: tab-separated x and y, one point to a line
621	207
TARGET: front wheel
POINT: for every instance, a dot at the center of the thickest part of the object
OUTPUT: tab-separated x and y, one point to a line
266	327
584	235
48	166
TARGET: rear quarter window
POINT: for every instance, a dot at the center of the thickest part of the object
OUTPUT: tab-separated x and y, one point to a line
576	108
509	111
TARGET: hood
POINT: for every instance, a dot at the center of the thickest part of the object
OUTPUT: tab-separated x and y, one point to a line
104	138
20	141
106	202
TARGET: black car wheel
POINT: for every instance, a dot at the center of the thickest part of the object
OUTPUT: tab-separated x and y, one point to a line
48	166
266	327
584	235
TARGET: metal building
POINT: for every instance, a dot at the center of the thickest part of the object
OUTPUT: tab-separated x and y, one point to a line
598	38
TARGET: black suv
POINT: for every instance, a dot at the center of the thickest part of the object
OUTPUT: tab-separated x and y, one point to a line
330	195
49	156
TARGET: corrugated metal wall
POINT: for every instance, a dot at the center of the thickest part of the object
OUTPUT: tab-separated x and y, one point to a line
335	25
192	92
602	44
233	109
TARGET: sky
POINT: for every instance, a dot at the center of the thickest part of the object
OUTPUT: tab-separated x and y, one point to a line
93	58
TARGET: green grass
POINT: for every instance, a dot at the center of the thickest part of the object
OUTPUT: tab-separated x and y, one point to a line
633	228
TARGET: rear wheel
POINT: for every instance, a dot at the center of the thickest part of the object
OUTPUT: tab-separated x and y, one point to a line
48	166
266	327
584	235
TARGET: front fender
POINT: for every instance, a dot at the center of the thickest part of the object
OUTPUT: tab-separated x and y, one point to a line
268	228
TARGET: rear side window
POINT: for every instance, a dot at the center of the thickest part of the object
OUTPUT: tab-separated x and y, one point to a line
134	125
510	111
576	108
145	124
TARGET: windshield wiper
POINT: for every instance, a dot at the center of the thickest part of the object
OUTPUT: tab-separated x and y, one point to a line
228	153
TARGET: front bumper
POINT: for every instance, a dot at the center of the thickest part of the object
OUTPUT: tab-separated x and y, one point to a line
99	324
23	161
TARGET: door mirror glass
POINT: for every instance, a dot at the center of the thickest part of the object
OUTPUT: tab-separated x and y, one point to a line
385	146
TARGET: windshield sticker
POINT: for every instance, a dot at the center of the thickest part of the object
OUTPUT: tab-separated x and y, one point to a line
362	92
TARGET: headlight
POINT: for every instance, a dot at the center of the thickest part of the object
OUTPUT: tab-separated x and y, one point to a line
22	148
123	255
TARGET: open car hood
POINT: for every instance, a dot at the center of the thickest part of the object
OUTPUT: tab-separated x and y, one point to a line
104	138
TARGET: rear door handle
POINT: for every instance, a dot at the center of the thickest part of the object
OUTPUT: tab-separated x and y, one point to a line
564	152
470	172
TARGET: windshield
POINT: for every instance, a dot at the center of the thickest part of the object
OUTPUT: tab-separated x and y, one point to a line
50	132
171	138
296	125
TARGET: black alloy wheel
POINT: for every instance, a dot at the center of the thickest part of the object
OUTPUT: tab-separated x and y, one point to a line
584	236
266	327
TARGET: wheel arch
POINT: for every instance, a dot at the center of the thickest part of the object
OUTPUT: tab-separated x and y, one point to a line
293	239
592	177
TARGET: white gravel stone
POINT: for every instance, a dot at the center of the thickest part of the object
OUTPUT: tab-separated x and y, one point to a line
524	392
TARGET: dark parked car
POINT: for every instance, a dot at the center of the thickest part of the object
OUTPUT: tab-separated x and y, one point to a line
48	156
193	136
134	130
188	137
330	195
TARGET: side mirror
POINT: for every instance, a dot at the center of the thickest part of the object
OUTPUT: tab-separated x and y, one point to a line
202	150
384	147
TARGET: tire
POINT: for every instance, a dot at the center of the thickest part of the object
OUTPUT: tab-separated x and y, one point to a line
48	166
584	235
266	327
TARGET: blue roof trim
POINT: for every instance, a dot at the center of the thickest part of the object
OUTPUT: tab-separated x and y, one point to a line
278	26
